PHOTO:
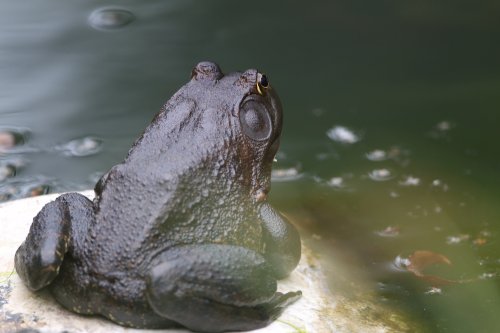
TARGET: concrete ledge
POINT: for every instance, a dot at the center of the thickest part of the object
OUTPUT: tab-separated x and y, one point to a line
317	311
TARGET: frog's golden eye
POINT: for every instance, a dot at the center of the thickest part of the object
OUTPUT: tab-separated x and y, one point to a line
262	83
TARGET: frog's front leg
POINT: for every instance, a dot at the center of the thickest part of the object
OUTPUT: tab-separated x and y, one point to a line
58	228
215	288
282	241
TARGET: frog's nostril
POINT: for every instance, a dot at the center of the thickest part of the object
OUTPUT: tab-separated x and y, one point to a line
206	70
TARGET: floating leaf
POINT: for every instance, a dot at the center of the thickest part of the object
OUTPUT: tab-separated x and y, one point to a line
480	241
420	260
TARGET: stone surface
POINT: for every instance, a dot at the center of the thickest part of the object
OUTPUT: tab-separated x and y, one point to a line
319	310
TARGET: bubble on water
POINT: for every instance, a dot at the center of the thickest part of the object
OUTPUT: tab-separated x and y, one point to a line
81	147
343	135
380	175
376	155
410	181
286	174
110	18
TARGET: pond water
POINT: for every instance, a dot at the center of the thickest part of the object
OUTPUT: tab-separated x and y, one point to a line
390	142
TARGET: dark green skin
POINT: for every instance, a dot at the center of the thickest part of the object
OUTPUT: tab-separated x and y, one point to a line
180	233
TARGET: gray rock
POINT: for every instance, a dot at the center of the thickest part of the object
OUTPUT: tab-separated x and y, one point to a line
319	310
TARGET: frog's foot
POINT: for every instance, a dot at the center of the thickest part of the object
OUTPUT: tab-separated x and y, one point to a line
51	235
216	288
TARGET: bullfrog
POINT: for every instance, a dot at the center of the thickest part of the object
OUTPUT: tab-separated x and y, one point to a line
181	232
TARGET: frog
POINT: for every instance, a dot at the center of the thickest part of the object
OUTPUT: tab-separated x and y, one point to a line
181	232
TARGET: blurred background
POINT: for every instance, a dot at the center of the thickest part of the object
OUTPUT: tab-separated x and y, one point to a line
389	159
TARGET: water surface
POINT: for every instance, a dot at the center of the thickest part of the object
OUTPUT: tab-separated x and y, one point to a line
390	142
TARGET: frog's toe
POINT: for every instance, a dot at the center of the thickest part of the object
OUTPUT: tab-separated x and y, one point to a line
275	307
40	256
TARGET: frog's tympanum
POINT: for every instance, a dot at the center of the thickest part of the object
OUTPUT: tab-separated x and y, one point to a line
180	233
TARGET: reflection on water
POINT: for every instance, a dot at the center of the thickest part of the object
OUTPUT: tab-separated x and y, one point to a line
415	169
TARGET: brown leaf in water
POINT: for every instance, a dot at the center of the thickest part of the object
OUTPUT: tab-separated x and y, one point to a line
420	260
480	241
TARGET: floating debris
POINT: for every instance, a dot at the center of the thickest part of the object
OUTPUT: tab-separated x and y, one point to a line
390	231
16	188
410	181
6	171
444	126
11	137
376	155
318	112
110	18
394	194
343	135
480	241
81	147
39	190
336	182
7	141
438	184
380	175
457	239
441	130
487	276
285	174
434	291
401	263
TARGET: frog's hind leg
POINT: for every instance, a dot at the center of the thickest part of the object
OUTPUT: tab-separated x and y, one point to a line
54	231
216	288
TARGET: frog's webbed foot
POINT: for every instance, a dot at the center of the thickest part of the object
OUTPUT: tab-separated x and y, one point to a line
52	234
215	288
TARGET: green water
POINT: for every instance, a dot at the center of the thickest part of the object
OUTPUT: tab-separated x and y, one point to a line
418	81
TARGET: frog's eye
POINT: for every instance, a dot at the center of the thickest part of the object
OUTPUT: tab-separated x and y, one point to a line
255	120
262	83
